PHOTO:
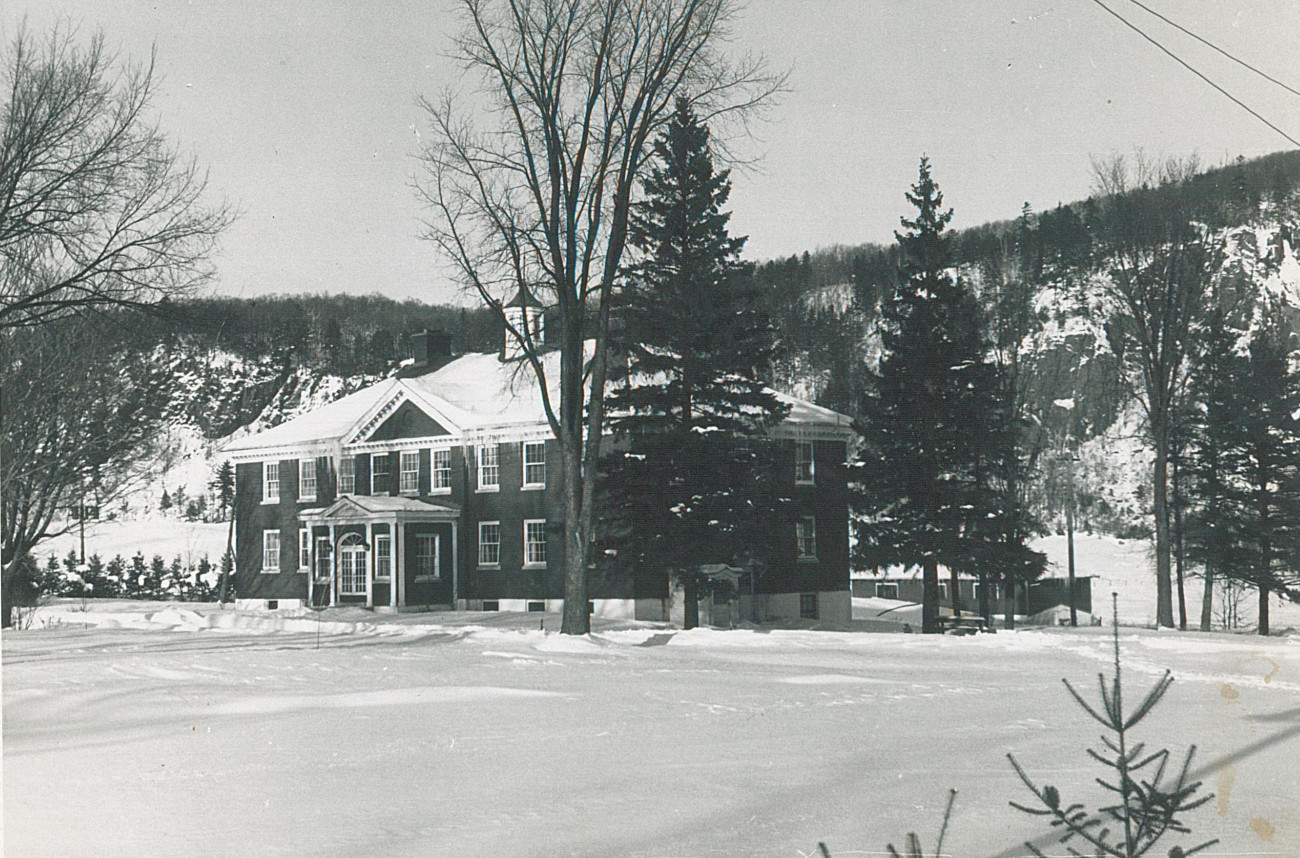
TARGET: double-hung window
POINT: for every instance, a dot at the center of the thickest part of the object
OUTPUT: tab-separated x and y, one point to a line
381	481
270	551
426	558
534	464
306	479
410	473
806	536
489	543
489	468
324	558
347	475
804	467
535	542
383	557
270	482
441	470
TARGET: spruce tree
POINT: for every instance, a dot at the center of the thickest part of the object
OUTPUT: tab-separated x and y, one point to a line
1148	797
1214	518
1245	459
694	481
223	486
921	487
1270	449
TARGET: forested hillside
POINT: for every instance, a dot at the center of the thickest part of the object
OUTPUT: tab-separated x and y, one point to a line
1042	278
232	365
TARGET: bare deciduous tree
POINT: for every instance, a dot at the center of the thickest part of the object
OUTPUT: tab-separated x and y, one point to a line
1159	264
572	92
83	408
96	209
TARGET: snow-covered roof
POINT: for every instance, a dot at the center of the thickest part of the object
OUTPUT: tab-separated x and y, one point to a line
474	396
320	426
487	393
806	416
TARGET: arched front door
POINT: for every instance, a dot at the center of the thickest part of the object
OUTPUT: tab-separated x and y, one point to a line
352	566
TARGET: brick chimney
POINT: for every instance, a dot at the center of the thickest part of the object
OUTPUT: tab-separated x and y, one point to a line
429	350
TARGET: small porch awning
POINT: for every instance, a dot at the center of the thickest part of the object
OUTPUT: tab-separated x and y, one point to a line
722	572
359	509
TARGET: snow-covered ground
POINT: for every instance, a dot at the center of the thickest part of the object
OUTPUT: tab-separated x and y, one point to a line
150	729
1127	567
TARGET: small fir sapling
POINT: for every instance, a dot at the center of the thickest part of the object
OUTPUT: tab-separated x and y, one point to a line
1146	807
115	576
225	582
155	579
175	583
914	849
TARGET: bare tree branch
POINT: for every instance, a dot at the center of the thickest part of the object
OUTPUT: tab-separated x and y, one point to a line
96	209
571	92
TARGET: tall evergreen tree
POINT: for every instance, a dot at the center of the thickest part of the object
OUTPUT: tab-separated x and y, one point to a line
921	486
694	482
1214	519
1270	451
1015	436
1246	460
223	486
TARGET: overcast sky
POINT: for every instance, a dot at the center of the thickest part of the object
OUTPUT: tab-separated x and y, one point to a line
304	113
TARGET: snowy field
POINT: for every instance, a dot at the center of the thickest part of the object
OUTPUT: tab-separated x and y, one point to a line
169	538
1127	568
140	729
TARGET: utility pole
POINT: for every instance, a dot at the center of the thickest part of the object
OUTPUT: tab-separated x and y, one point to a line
1069	534
81	514
1067	451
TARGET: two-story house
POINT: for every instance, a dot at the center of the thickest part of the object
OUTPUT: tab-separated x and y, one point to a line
440	488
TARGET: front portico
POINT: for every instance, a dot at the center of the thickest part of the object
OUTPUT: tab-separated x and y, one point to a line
381	551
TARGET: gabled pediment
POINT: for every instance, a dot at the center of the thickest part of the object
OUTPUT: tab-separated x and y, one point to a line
401	416
408	420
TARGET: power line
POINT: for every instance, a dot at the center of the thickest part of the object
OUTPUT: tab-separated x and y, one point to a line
1210	44
1185	65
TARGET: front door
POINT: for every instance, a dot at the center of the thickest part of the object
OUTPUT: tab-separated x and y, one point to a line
352	570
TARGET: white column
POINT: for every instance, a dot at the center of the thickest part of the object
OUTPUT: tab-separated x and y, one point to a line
455	567
311	564
399	551
334	561
392	565
370	565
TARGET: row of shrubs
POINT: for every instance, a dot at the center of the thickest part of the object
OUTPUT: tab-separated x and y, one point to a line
133	578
